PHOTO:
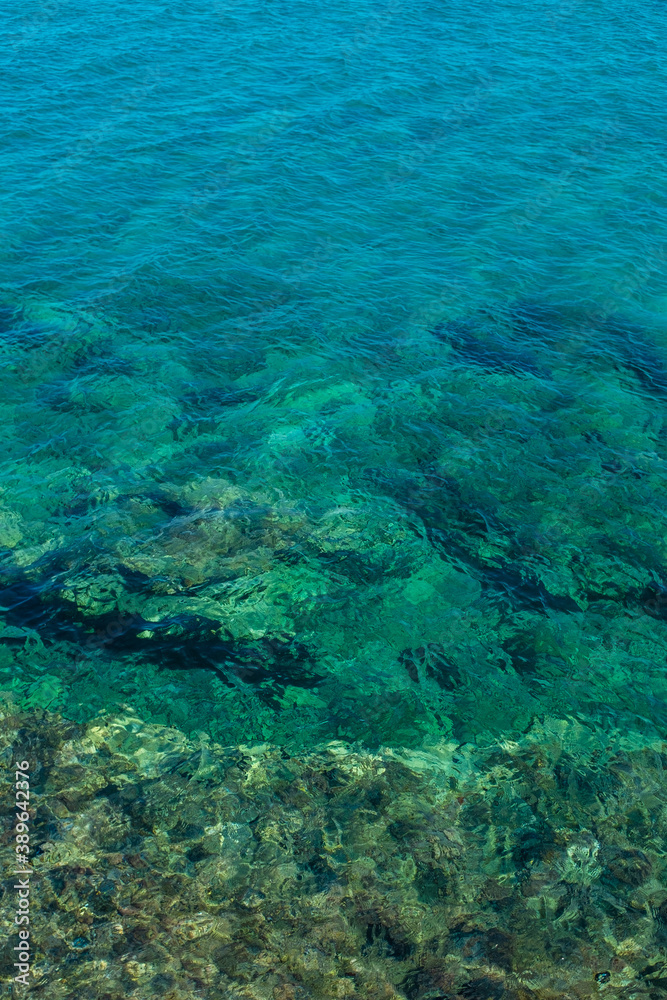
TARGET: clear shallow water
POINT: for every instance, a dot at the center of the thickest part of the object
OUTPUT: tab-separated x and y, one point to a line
335	368
344	329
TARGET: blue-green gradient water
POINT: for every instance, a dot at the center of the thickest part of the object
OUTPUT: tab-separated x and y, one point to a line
334	359
333	572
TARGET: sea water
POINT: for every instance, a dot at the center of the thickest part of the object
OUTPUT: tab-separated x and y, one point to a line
334	357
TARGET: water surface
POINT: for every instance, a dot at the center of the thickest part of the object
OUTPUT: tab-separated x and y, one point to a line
334	364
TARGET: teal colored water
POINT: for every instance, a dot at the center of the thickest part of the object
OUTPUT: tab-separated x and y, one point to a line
334	359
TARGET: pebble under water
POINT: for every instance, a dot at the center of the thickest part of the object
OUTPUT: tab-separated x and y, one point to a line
333	564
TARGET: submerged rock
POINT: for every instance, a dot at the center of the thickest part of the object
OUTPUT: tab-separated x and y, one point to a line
171	868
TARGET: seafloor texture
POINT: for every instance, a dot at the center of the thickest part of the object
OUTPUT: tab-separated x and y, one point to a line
167	868
457	534
333	453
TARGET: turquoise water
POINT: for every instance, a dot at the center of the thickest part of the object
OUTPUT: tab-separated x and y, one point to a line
335	367
333	583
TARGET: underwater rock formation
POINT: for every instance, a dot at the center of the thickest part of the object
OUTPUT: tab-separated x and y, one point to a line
171	868
292	538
